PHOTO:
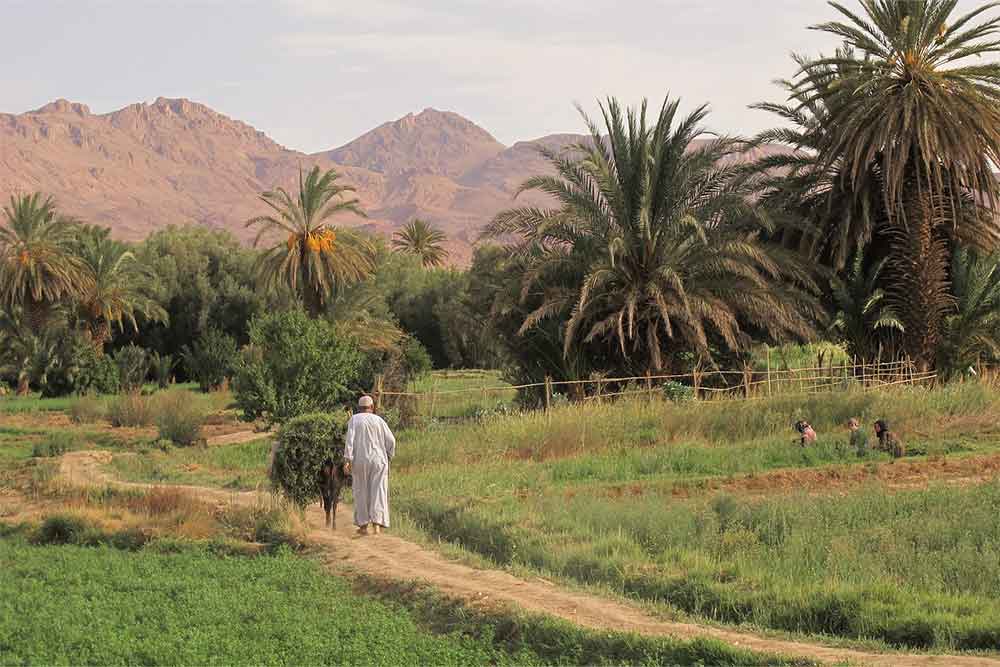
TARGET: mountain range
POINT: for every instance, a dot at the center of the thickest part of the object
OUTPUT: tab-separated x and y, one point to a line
175	161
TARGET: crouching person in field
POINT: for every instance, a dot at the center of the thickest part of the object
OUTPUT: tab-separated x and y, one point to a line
889	441
807	435
369	449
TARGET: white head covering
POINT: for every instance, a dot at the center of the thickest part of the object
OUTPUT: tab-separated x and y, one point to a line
366	402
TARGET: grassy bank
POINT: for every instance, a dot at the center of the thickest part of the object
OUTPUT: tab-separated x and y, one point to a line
592	494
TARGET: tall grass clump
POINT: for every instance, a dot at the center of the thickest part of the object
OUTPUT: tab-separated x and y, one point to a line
87	409
179	418
55	444
131	409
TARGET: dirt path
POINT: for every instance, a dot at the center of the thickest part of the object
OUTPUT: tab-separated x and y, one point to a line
390	556
237	438
902	475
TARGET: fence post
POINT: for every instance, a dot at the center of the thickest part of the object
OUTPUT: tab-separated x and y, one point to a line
600	383
378	392
696	380
768	348
548	393
649	385
433	397
746	381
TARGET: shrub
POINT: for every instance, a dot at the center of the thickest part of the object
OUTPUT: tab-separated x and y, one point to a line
55	444
293	366
66	529
133	366
416	359
98	373
162	368
130	409
303	444
86	410
209	360
179	419
677	392
71	365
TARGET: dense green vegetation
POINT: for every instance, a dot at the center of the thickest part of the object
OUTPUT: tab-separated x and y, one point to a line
175	604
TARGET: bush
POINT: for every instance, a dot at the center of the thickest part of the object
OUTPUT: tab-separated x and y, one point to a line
179	419
303	444
98	373
162	368
56	444
86	410
71	365
677	392
209	361
293	366
133	367
131	409
66	529
416	359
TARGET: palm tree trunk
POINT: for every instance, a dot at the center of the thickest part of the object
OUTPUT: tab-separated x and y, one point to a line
36	315
920	275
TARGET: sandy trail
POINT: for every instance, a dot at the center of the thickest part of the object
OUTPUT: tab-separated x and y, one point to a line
389	556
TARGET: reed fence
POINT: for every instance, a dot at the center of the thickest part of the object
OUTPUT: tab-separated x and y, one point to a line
748	383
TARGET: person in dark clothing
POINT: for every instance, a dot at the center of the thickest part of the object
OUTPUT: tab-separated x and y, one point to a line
888	441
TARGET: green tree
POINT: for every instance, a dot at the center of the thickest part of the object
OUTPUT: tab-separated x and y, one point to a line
209	361
204	278
655	246
971	333
909	106
863	313
421	239
37	266
294	365
316	257
116	286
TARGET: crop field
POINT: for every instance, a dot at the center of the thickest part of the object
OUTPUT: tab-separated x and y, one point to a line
706	511
677	505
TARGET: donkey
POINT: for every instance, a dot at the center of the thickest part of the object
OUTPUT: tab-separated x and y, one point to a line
332	479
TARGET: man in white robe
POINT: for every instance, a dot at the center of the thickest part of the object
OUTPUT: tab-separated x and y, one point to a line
370	447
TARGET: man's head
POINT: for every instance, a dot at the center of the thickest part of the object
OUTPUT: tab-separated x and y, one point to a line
853	424
366	404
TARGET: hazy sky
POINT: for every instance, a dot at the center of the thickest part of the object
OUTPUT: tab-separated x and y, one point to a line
314	74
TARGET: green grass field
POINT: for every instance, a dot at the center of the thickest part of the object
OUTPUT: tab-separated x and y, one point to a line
239	466
459	393
174	605
609	496
631	498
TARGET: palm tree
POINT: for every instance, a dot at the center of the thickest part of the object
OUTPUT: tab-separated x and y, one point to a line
863	315
908	101
25	356
317	257
37	266
116	286
421	239
815	210
653	242
972	331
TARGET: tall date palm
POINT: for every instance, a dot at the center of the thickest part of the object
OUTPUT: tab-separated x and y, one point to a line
316	257
421	239
38	268
654	246
916	99
115	289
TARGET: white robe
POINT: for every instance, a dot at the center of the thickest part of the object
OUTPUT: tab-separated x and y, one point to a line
370	447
